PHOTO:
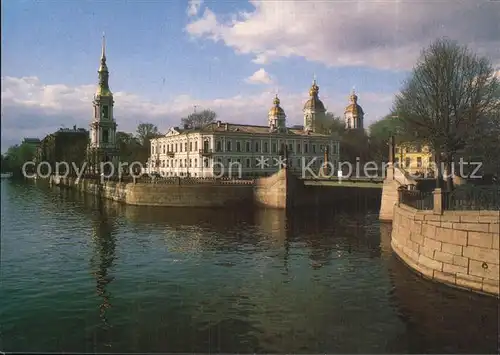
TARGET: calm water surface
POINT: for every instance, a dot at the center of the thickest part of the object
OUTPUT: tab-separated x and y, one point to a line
78	275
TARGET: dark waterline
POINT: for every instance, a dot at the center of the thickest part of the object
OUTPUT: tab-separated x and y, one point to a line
79	275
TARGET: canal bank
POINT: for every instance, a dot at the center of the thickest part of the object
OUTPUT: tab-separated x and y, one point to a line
281	191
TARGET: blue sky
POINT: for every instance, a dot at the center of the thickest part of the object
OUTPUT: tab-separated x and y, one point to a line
167	56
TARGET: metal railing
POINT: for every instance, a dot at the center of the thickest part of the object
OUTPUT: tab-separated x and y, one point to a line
472	198
417	199
193	181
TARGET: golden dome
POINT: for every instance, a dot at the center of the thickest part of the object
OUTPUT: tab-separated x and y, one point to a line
276	110
353	107
314	103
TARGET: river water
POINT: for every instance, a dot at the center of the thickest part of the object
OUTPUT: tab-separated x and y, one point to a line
82	275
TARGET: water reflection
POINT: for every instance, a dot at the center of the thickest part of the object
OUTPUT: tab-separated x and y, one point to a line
441	319
103	258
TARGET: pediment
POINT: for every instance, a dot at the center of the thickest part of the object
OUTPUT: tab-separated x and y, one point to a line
173	131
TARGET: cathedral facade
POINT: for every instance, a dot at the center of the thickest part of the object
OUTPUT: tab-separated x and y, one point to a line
230	149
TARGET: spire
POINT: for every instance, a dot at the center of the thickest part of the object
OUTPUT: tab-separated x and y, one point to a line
103	53
276	100
103	88
353	98
314	90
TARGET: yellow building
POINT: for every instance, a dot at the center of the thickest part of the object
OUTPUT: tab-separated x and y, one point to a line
414	158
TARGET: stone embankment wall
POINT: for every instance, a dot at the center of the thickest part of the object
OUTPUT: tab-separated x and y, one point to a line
281	190
460	248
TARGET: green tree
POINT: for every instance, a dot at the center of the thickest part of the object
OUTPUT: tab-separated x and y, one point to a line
145	132
450	89
198	119
129	146
334	124
17	155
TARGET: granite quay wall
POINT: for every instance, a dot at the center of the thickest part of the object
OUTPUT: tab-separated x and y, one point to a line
458	248
281	190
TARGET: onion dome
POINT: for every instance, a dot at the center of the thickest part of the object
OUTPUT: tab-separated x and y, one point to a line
276	110
353	107
314	103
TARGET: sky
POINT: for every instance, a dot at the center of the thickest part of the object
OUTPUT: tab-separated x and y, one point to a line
168	58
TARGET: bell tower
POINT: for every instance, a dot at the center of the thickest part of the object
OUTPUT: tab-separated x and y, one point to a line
103	151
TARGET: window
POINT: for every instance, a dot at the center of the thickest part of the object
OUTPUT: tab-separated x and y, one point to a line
419	162
219	146
190	146
196	163
206	163
195	146
248	147
248	163
306	148
274	148
407	162
314	148
290	147
298	148
176	147
105	111
206	145
266	147
256	147
185	147
228	146
105	135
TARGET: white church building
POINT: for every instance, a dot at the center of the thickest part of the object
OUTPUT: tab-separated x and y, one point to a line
231	149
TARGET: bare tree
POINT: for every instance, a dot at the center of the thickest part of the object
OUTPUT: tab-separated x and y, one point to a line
449	91
146	131
198	119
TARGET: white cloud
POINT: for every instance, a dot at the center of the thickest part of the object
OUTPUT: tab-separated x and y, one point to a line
194	7
33	109
381	34
259	77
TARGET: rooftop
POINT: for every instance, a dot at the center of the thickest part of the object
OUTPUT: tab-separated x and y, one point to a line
235	128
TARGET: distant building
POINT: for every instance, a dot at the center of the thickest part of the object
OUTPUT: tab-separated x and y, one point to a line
414	157
102	146
353	114
221	148
32	142
65	145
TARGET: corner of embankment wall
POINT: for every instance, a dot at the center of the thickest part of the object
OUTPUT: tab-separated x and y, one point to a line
272	191
459	248
389	199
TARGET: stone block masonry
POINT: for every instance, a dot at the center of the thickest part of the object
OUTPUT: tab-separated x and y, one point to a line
459	248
